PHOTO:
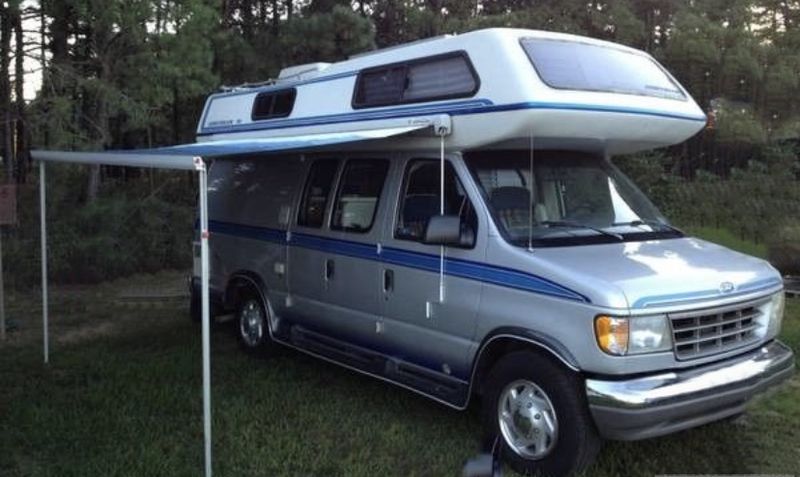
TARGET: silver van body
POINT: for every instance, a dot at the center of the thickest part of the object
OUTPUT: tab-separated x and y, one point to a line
476	240
368	300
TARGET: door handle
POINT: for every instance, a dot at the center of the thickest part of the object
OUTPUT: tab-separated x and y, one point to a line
329	269
388	280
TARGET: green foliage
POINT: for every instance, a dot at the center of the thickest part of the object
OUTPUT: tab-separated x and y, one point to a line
757	203
728	239
739	127
116	237
784	249
135	74
125	230
329	36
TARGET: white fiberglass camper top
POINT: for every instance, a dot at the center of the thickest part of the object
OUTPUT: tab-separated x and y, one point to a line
498	85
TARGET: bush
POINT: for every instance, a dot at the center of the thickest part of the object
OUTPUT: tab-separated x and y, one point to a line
114	237
137	224
784	250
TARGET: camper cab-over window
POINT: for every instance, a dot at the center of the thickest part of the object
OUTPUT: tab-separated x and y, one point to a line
580	66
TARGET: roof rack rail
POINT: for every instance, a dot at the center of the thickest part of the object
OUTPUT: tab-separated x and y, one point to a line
227	89
394	47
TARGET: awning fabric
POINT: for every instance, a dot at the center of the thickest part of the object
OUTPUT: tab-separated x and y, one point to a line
187	156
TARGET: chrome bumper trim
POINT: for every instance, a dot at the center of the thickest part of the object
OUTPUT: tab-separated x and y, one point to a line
754	370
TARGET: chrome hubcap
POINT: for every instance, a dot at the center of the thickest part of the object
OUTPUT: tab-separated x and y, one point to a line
527	419
251	323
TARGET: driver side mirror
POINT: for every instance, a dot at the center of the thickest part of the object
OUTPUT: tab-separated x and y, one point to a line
443	230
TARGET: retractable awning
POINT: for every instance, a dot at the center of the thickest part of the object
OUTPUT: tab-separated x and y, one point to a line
192	157
185	156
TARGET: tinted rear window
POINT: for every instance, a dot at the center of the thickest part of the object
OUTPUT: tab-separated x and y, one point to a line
581	66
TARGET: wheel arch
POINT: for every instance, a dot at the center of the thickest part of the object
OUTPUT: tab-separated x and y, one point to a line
242	279
505	340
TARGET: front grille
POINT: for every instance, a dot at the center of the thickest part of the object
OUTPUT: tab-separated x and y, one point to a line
702	333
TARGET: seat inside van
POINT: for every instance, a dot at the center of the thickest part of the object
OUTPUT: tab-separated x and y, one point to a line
417	210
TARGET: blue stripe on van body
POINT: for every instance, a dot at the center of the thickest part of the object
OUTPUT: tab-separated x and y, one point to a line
470	270
491	274
247	231
400	112
589	108
338	247
455	108
676	298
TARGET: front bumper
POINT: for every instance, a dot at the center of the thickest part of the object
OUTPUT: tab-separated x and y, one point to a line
663	403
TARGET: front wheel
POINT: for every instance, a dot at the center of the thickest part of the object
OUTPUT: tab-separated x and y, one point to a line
539	412
252	325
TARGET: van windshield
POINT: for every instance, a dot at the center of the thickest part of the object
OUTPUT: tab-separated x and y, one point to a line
565	198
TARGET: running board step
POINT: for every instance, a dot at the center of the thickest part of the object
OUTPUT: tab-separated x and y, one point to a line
337	350
436	384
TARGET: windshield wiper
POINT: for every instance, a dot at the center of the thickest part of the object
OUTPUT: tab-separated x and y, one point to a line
651	223
576	225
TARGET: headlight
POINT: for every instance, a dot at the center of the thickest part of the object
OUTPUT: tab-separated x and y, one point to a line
635	335
776	314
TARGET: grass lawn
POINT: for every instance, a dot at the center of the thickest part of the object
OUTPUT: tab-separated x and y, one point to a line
122	396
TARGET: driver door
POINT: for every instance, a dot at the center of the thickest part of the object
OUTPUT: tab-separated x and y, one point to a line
424	331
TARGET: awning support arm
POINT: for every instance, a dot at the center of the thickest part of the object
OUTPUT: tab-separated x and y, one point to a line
43	232
204	277
442	126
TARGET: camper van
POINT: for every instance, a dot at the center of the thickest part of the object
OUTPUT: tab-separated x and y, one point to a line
467	237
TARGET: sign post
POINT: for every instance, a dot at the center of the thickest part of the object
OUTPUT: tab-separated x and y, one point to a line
8	216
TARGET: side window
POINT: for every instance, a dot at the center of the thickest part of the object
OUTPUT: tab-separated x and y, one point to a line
419	201
315	196
273	104
359	191
450	75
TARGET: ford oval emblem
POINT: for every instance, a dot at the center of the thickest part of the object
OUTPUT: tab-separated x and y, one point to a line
726	287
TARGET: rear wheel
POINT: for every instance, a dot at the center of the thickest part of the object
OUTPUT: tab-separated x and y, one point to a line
252	321
538	410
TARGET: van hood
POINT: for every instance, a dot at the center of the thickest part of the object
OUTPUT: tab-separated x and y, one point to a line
662	273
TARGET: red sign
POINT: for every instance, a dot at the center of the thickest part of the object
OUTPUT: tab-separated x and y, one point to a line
8	205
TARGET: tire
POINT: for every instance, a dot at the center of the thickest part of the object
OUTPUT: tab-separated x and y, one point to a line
252	321
550	411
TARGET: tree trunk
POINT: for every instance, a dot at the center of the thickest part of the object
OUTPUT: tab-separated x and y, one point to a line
45	69
101	36
276	17
5	90
21	153
59	29
176	118
246	11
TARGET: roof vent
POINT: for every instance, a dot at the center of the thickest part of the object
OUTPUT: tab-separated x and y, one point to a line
302	72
